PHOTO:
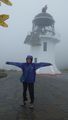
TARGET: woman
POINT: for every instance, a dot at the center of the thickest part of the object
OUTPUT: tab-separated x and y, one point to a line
28	76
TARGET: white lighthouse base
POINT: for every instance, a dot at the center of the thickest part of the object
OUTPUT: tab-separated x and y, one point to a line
52	70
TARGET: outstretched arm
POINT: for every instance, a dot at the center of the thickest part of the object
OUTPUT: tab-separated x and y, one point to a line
15	64
41	64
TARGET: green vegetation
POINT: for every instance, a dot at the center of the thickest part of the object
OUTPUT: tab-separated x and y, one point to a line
65	70
3	74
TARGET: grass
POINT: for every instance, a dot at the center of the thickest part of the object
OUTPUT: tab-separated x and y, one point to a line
64	70
3	74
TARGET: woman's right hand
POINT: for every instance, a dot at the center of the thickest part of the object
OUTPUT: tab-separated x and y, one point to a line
7	62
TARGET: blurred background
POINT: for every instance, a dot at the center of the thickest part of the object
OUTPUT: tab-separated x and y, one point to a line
22	12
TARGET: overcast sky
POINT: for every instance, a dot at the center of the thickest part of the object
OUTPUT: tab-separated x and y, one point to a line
22	12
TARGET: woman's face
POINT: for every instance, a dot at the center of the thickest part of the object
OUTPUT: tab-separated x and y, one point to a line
28	60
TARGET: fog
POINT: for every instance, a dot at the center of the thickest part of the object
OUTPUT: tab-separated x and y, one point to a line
22	12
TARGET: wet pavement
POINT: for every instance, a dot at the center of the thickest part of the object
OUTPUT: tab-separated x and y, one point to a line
51	98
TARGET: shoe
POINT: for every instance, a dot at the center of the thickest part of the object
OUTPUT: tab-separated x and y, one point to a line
24	104
31	106
25	101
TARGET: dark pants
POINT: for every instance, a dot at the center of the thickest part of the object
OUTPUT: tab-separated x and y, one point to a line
30	87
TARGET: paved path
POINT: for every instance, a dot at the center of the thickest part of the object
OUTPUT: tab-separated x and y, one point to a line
51	98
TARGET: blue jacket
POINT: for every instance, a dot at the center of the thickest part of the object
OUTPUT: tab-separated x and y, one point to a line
29	70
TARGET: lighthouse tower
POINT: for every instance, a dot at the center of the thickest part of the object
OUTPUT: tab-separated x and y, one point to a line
42	41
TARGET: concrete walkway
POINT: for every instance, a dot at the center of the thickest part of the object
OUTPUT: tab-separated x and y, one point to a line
51	98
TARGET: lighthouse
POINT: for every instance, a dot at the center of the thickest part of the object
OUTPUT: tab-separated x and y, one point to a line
42	40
